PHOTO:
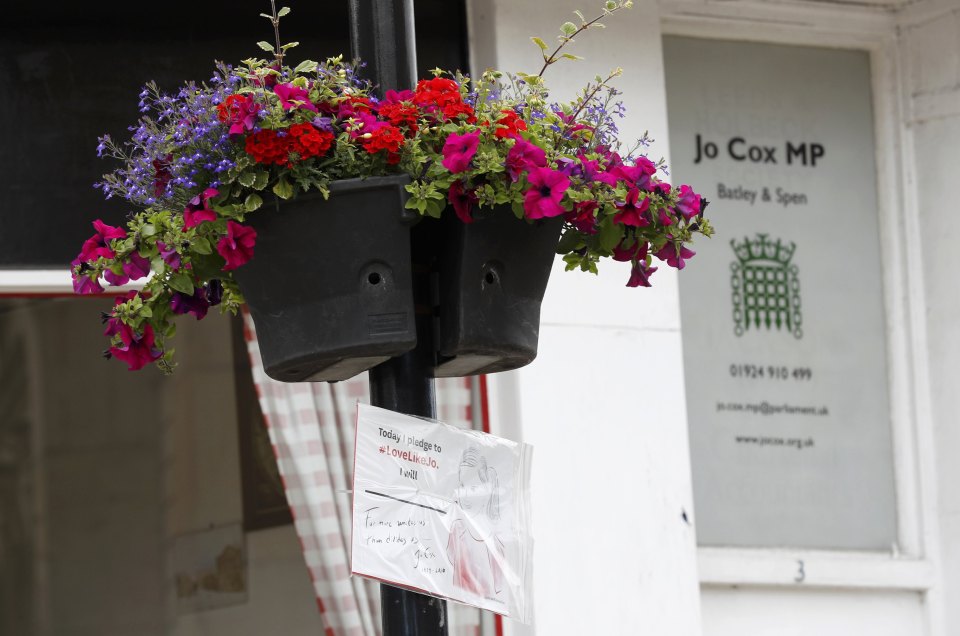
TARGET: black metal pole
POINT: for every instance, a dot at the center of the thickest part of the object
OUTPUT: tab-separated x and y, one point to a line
382	35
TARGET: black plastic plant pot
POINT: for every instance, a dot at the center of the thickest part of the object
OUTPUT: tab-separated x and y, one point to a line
329	285
493	274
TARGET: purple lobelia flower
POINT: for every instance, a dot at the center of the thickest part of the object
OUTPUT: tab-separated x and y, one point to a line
459	150
542	200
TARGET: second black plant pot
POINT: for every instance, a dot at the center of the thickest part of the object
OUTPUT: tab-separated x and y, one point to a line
329	286
493	274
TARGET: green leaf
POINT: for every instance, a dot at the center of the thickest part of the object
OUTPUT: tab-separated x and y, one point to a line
611	5
435	208
252	202
289	45
282	12
267	16
283	189
246	178
540	43
182	283
571	56
201	245
146	312
266	46
579	14
148	230
570	241
568	28
609	235
260	179
306	66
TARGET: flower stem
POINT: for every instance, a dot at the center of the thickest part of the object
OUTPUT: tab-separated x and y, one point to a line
278	53
567	39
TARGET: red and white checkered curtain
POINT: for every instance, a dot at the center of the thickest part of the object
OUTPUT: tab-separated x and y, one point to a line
312	428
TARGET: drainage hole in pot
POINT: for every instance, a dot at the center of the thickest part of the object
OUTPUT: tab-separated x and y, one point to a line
374	278
490	277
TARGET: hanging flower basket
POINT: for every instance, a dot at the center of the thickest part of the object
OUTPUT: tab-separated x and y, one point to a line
493	274
285	188
330	289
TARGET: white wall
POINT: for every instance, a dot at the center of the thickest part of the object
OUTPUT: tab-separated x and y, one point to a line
778	612
931	52
603	404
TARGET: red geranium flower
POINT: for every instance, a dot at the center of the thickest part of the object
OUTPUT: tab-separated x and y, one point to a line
267	147
400	114
387	138
308	142
509	124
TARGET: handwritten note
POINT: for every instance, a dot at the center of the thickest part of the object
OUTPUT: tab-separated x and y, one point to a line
442	510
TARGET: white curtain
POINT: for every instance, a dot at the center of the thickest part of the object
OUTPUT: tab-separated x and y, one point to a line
312	427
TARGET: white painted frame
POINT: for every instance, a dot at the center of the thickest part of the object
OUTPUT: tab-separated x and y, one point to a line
913	564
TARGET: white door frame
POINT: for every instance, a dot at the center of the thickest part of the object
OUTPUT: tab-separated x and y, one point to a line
913	564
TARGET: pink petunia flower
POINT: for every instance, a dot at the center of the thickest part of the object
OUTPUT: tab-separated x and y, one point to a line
169	255
640	274
135	268
136	350
631	211
82	283
293	97
459	150
197	304
675	255
524	156
462	200
542	200
688	203
198	210
98	245
637	250
237	246
583	216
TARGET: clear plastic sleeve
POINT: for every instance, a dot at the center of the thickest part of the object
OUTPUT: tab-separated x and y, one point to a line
443	511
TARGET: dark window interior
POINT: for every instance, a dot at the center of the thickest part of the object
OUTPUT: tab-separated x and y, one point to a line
72	72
